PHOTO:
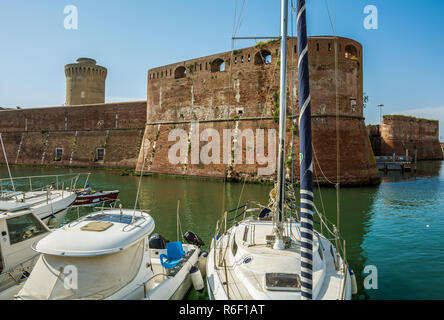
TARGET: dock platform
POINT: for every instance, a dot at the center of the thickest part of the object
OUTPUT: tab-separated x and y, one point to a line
395	163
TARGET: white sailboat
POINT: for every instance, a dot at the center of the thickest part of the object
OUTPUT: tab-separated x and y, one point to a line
269	256
110	256
44	202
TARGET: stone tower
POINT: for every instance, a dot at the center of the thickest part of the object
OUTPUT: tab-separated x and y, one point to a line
85	82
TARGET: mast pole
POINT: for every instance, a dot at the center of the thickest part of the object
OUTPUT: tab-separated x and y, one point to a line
7	164
306	167
279	244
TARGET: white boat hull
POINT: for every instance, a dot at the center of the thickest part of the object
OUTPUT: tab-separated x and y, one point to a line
111	259
59	202
253	259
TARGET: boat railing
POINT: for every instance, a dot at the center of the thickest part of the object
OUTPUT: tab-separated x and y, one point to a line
81	218
328	230
17	271
145	291
34	183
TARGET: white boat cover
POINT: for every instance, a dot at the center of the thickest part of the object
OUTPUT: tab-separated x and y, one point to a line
98	277
12	206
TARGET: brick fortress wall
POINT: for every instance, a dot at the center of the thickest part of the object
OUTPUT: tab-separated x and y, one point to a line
240	89
403	135
31	136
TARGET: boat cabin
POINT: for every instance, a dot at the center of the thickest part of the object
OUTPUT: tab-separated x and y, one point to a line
19	230
99	256
107	255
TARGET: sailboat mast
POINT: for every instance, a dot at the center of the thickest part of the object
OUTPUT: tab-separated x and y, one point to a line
306	167
282	118
7	164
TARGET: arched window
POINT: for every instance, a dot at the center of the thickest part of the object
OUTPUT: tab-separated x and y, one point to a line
218	65
262	57
180	72
351	52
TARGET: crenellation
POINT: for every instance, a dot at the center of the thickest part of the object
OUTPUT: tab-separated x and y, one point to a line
404	135
85	82
241	87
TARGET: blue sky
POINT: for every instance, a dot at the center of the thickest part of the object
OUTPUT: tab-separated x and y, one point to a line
403	64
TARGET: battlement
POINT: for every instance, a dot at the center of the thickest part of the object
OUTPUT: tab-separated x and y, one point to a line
263	53
406	135
85	82
245	82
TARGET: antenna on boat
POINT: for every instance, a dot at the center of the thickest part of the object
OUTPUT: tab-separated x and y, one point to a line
305	156
280	196
7	164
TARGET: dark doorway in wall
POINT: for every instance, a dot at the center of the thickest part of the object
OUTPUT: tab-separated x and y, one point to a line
262	57
218	65
180	72
351	52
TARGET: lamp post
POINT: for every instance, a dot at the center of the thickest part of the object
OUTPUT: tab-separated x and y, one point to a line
380	113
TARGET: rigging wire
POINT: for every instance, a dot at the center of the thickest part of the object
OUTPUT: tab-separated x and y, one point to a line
333	26
236	26
338	166
140	179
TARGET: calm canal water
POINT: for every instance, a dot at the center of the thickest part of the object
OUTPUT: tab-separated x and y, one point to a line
397	226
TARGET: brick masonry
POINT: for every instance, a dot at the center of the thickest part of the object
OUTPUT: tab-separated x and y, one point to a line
403	135
31	136
240	90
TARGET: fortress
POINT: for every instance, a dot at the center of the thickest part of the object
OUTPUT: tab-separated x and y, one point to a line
236	90
86	132
403	135
240	89
85	82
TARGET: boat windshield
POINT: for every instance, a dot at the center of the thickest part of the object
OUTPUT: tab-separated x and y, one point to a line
83	278
24	227
123	218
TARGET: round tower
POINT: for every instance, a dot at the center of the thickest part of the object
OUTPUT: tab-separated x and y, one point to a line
85	82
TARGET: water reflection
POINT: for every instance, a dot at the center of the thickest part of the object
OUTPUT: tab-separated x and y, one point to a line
425	170
396	226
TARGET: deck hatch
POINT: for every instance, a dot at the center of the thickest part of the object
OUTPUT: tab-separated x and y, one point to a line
97	226
124	218
282	282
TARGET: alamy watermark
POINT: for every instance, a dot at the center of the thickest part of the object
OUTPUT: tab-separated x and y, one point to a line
71	21
226	149
71	276
371	20
371	280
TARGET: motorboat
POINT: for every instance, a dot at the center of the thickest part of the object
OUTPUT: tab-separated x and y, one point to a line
110	255
19	229
97	197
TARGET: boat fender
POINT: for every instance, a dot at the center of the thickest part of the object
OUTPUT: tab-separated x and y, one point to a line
193	238
353	281
202	263
52	222
196	278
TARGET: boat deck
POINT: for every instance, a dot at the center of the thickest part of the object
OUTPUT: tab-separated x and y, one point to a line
236	290
253	259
